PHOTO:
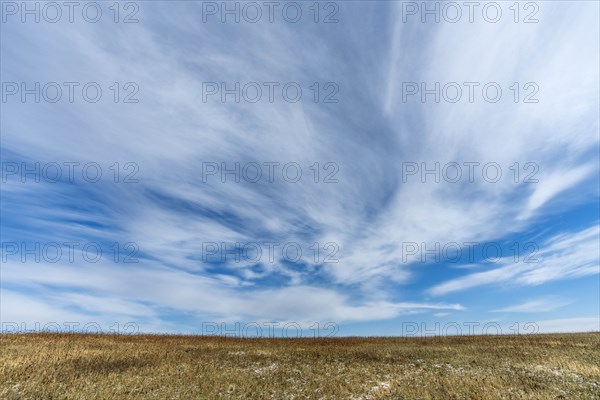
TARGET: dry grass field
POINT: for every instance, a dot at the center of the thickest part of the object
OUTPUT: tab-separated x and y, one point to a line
72	366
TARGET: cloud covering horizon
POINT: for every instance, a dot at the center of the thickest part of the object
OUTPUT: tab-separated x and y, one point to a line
378	225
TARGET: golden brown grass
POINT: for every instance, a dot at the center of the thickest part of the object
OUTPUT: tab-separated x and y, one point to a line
65	366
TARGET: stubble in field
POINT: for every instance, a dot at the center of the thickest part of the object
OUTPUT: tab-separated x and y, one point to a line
56	366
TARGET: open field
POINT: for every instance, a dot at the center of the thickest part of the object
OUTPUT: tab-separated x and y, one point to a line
56	366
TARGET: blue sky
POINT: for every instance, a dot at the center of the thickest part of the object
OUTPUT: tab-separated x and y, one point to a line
368	209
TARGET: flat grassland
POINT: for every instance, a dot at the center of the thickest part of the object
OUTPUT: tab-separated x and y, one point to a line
61	366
